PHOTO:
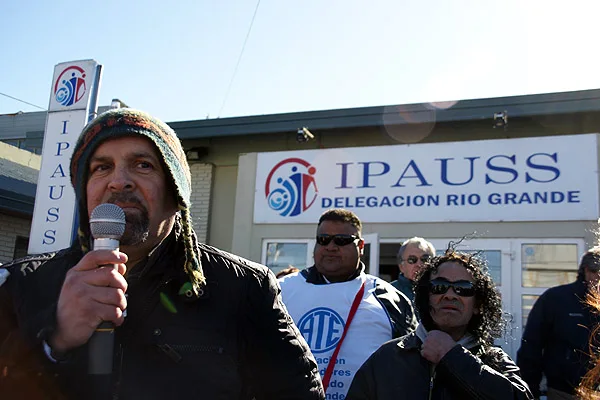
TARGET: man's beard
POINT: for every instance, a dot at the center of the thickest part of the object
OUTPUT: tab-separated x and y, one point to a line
136	229
136	224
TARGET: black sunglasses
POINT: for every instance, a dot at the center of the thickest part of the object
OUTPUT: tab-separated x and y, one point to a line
339	240
461	288
414	259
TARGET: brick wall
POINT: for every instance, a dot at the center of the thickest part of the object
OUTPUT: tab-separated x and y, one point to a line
202	178
10	228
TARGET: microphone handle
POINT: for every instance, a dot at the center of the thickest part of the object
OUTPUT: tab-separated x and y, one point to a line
101	349
101	344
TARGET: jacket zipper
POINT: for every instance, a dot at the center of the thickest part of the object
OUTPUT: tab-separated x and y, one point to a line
171	350
117	383
432	374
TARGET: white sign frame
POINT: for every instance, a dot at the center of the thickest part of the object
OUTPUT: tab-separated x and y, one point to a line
73	95
524	179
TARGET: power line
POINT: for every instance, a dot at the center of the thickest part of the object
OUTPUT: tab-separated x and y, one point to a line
239	59
22	101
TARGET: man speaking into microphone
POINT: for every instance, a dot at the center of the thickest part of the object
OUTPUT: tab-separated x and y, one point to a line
200	322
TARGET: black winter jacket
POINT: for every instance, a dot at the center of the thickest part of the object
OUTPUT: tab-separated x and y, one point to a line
397	371
236	341
556	339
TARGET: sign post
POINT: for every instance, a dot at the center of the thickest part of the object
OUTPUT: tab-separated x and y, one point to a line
75	88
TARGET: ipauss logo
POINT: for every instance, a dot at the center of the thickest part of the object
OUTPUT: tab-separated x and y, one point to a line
322	329
290	188
70	87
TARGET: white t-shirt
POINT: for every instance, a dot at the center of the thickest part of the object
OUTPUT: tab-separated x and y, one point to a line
321	312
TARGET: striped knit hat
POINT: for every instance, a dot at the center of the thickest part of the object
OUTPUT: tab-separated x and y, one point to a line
127	122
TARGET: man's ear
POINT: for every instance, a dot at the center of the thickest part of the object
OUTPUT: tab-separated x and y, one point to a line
361	246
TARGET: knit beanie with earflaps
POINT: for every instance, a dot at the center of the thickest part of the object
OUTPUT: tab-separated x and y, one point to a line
127	122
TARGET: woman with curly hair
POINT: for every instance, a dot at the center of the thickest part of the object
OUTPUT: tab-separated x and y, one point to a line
451	354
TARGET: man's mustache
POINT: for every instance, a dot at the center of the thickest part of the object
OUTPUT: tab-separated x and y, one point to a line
126	198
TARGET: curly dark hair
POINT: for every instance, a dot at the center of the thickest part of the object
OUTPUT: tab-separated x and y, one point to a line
486	325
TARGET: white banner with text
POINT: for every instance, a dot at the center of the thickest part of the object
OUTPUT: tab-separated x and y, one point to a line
525	179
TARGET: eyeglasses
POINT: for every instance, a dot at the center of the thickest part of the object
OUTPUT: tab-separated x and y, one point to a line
461	288
414	259
339	240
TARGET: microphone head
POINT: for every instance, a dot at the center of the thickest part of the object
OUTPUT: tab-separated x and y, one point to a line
107	221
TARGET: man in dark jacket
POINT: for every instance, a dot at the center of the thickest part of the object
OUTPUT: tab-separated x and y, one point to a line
321	300
556	339
200	323
412	255
450	355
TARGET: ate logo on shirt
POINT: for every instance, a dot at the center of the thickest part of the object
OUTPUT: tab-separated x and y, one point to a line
322	329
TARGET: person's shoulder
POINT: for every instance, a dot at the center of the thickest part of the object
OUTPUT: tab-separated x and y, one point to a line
12	265
31	265
383	287
4	274
291	278
380	282
561	290
495	355
230	261
399	345
395	284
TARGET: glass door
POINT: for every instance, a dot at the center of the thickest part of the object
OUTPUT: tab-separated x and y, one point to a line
539	265
371	253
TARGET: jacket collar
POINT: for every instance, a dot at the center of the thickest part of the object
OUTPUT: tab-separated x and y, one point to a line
316	278
404	280
154	263
410	341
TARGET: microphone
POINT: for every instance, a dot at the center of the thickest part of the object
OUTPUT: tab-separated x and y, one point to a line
107	224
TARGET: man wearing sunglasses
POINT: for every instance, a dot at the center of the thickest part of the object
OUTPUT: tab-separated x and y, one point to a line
451	354
412	255
343	313
555	342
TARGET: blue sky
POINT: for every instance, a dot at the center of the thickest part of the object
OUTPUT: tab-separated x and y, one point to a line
176	59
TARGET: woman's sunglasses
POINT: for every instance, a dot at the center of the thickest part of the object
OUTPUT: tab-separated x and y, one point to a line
339	240
461	288
414	259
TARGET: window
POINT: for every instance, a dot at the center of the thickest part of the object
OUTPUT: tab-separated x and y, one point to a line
527	302
21	245
22	144
548	265
282	253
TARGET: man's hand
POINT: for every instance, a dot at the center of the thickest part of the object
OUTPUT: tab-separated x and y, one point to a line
436	345
93	291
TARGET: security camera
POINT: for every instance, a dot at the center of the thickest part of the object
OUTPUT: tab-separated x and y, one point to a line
304	135
501	119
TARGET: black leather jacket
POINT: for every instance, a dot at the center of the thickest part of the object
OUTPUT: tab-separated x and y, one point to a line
397	371
236	341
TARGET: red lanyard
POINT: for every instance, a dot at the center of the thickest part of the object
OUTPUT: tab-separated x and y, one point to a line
332	360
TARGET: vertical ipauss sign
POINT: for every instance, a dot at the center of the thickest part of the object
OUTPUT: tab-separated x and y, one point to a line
70	99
